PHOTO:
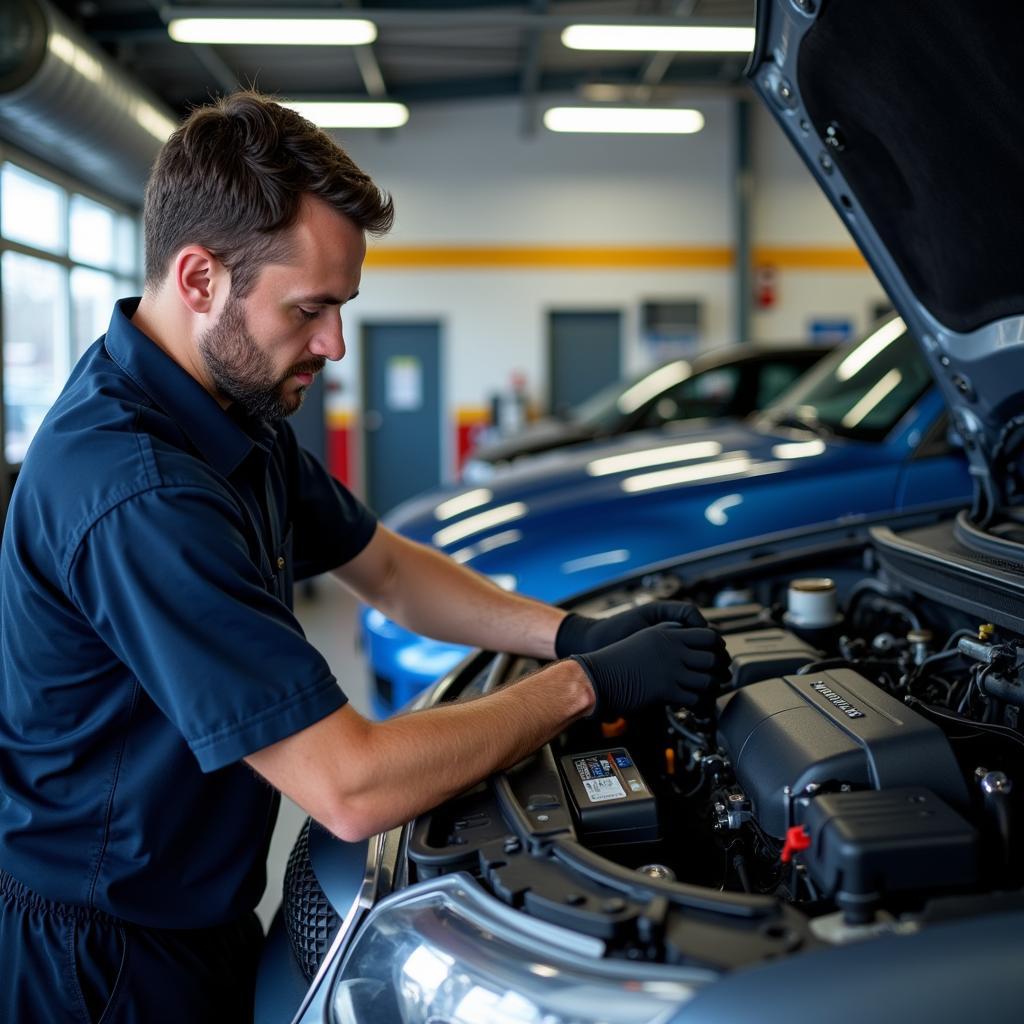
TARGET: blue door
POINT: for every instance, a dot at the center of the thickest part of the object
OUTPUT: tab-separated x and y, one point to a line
401	411
585	355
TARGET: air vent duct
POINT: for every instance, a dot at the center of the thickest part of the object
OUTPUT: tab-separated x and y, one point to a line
63	100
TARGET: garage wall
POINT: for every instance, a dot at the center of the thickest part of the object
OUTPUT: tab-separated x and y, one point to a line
518	223
495	229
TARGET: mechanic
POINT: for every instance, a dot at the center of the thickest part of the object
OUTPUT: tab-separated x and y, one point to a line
157	691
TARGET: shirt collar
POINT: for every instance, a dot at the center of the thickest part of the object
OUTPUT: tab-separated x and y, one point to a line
224	438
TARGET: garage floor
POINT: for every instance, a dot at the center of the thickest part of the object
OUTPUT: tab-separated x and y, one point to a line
329	619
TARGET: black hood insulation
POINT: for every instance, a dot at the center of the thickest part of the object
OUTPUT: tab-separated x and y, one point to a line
930	144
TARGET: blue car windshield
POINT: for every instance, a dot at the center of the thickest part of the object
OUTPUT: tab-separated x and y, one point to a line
860	392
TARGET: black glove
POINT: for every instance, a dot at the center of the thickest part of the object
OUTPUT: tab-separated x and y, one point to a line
578	634
664	664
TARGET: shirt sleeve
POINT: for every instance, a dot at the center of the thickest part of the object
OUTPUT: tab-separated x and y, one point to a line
166	579
331	525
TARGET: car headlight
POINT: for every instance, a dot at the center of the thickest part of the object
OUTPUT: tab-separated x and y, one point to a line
445	951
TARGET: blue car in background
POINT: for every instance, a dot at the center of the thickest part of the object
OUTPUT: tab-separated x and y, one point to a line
865	431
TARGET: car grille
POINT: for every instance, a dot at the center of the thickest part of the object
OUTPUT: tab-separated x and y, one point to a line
309	918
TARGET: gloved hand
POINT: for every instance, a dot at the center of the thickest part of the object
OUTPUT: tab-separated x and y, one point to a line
663	664
578	634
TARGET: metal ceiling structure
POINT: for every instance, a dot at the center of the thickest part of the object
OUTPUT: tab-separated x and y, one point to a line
424	52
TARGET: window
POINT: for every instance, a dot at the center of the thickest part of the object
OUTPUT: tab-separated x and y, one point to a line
35	345
704	395
860	391
773	379
32	211
65	257
93	295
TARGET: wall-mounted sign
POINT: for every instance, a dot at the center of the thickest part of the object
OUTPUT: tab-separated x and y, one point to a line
671	327
829	331
404	384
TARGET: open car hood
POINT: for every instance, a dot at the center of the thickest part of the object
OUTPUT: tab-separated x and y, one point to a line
910	117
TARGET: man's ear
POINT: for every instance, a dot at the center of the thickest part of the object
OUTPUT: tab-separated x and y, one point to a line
199	278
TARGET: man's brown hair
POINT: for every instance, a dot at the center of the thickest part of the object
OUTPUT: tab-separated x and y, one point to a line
231	178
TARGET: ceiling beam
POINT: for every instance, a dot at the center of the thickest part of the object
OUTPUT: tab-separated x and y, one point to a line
529	82
657	64
216	67
212	62
698	82
366	61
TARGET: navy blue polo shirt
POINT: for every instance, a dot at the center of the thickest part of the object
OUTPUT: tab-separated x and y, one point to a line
148	642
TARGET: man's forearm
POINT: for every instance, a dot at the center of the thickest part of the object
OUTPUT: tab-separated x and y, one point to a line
358	777
477	738
427	592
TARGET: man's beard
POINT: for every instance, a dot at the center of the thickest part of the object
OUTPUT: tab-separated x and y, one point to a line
243	373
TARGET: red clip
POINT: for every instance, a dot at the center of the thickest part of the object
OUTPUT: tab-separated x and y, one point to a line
797	839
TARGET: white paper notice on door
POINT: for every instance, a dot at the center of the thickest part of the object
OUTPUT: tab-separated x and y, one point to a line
404	384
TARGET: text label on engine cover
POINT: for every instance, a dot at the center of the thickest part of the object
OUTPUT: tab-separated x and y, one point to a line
840	702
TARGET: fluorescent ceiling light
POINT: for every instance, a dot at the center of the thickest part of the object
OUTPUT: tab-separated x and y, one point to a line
274	31
660	39
648	120
362	114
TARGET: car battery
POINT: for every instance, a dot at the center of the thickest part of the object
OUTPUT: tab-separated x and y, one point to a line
611	802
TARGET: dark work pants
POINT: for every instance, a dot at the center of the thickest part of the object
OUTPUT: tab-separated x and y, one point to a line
64	963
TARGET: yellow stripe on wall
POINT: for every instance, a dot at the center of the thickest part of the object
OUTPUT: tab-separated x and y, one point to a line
339	419
809	257
490	257
693	257
470	415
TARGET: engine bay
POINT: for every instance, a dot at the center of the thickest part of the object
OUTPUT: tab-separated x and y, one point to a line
856	777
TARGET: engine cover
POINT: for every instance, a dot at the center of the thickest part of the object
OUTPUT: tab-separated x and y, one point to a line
829	727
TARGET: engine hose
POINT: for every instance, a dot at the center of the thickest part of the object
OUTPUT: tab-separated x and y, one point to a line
951	716
885	599
739	862
1003	690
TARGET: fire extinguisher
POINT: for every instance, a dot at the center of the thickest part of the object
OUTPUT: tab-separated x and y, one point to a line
765	287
